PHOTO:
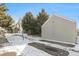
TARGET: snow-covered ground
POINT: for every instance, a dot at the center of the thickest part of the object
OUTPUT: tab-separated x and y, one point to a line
20	45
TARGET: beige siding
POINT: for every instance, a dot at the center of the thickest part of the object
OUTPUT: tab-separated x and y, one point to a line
59	29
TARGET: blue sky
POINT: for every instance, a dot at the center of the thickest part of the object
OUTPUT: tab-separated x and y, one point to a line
69	10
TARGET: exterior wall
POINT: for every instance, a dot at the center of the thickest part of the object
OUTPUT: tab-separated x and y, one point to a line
59	29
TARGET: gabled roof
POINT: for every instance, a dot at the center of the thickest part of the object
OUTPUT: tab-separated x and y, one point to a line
68	19
64	18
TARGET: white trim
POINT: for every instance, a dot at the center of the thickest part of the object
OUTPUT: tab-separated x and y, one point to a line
60	17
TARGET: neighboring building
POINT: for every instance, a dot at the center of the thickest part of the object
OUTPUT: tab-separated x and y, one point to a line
60	29
17	27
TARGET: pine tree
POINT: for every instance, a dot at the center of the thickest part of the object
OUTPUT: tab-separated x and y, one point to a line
29	23
5	20
41	18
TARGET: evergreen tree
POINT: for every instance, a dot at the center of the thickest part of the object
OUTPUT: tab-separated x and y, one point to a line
5	20
29	23
41	18
33	25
